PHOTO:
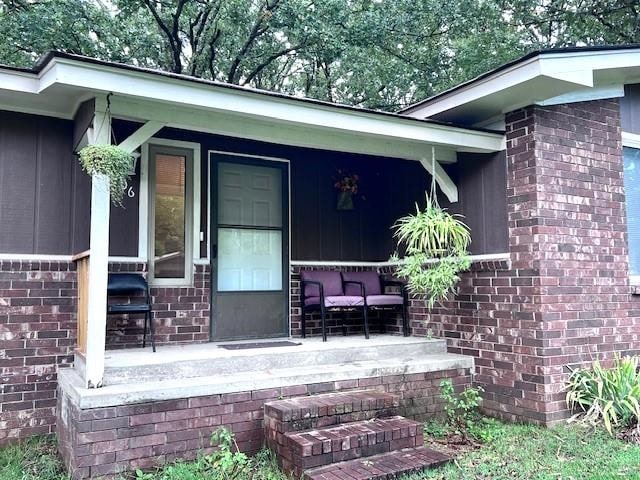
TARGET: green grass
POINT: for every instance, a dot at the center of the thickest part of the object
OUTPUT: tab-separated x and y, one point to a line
514	452
36	459
511	452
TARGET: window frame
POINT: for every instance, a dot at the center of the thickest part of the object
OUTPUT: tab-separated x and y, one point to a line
192	207
630	140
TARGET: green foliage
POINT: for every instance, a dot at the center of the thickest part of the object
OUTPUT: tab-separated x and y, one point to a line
436	244
461	409
432	230
610	396
109	160
34	459
225	463
374	53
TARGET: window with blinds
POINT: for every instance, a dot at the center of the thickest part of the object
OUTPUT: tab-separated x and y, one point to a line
632	190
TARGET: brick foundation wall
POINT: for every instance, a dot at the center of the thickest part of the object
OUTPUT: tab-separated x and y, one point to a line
379	321
181	313
109	440
37	336
563	299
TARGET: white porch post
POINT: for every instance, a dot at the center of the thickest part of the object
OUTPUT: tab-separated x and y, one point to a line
99	258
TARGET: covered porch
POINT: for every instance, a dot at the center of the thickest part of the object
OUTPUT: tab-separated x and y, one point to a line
189	137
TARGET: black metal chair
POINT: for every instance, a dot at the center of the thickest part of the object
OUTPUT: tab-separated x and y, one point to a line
132	285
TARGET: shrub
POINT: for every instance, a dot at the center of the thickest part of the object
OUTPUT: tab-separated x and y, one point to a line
607	395
462	410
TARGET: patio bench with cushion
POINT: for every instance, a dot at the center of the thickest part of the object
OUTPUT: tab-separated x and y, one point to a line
376	295
333	291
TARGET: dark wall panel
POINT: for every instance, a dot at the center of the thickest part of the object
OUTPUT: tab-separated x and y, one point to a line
36	164
389	188
482	191
123	220
82	120
630	109
80	208
53	190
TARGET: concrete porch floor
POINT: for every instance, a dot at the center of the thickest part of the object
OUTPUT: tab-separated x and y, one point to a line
136	357
139	375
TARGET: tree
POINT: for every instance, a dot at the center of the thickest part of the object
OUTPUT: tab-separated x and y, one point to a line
373	53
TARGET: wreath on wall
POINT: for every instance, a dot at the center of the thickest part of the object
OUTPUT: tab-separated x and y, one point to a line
347	186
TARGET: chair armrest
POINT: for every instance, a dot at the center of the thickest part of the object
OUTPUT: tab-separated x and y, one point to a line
363	290
304	284
395	283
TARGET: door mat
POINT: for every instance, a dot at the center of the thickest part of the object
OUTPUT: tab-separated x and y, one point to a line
244	346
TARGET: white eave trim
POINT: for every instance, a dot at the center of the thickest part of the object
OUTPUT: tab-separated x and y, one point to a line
574	69
148	86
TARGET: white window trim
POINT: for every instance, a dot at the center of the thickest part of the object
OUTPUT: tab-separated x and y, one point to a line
632	140
145	210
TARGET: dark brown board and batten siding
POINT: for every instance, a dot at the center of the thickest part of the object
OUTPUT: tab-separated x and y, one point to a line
45	196
389	189
36	184
630	109
482	199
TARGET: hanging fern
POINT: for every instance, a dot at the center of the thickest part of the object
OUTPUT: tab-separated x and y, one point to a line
436	245
112	161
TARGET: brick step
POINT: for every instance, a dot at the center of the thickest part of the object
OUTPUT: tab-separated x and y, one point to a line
310	412
323	446
378	467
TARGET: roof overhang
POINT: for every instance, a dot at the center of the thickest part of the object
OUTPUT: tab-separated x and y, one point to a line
59	83
62	83
544	77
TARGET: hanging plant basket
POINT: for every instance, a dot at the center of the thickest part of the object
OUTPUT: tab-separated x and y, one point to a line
112	161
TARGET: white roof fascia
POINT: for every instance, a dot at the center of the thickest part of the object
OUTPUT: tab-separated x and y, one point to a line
585	95
19	81
486	86
574	68
174	91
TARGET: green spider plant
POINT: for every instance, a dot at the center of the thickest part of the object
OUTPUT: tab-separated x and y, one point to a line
436	245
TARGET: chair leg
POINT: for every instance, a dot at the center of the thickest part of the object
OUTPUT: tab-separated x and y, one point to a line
323	316
383	320
303	321
405	325
344	324
144	329
152	331
366	322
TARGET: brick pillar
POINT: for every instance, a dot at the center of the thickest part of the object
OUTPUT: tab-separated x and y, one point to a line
566	210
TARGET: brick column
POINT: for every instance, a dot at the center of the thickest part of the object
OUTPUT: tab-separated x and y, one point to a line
566	210
562	298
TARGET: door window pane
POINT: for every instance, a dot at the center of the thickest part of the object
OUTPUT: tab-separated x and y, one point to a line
249	195
170	215
249	259
632	190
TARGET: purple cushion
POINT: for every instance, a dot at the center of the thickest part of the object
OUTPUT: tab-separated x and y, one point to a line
343	301
331	283
379	300
370	279
312	301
